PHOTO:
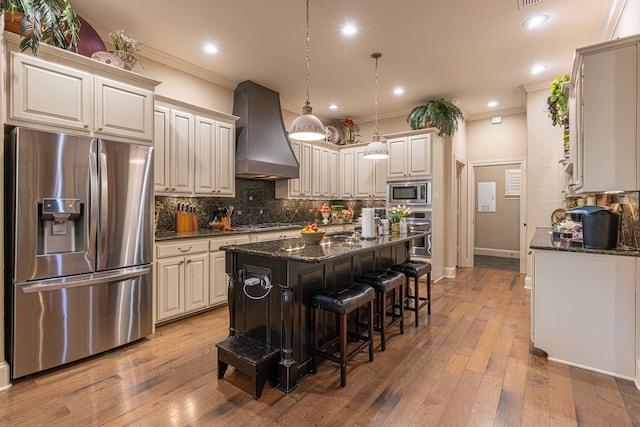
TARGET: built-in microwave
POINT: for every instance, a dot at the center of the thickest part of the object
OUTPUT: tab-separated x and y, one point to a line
410	193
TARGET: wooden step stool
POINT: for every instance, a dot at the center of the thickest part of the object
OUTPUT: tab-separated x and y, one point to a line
251	357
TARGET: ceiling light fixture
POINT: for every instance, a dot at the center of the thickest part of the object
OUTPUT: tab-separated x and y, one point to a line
535	21
537	69
209	48
376	149
307	127
333	106
348	30
492	104
398	91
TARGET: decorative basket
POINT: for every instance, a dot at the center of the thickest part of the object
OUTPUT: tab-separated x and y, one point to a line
128	59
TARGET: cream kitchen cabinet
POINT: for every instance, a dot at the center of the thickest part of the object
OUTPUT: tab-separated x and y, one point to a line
370	176
215	158
409	156
347	169
182	278
606	78
60	97
318	173
195	153
275	235
218	279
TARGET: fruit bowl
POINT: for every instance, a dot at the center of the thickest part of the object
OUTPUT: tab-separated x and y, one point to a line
312	237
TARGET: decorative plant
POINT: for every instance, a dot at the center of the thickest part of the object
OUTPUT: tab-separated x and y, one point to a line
123	43
557	102
440	113
51	21
397	213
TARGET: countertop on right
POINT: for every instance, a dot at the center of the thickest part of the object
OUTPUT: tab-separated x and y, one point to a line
543	239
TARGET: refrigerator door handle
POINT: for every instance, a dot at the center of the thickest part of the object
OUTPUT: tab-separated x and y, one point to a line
85	280
94	200
104	202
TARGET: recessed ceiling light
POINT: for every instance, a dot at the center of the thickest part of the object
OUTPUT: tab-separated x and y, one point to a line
537	69
209	48
535	21
348	30
398	91
492	104
333	106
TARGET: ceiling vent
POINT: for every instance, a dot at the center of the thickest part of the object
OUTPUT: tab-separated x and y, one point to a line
526	3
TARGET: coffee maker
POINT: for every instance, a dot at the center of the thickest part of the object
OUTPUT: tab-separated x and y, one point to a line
599	226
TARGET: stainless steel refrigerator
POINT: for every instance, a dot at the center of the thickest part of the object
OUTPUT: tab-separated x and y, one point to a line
79	245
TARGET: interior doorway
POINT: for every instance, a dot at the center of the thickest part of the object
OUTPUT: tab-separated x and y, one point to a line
496	206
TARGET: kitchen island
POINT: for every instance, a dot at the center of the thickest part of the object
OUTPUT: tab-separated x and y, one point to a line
584	303
271	285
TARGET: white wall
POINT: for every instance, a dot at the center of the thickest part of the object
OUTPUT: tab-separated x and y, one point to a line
629	23
545	176
503	141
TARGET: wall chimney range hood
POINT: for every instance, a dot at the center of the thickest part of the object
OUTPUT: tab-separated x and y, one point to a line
262	146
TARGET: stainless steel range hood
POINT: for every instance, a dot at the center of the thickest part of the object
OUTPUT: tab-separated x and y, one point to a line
262	148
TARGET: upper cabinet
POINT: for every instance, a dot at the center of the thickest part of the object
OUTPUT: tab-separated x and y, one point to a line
370	176
409	156
65	92
318	173
195	150
606	81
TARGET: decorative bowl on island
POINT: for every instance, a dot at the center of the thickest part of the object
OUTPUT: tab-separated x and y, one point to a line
312	235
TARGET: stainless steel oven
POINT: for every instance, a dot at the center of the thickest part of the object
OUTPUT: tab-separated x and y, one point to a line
410	193
420	221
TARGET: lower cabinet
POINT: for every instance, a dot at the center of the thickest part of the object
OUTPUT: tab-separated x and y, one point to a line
218	279
182	278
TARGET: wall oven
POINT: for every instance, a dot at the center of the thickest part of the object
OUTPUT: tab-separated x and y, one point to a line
420	221
410	193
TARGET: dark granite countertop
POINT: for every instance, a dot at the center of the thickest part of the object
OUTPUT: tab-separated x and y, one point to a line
208	232
542	239
332	246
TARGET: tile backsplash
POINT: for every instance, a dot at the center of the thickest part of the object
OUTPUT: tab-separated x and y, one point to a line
255	203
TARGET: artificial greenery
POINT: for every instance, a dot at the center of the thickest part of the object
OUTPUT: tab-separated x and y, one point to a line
557	102
50	21
439	113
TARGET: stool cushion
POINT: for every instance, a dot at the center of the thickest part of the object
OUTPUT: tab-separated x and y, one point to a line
344	301
381	280
413	268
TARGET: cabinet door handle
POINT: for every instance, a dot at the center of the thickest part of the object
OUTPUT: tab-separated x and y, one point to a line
100	128
86	125
184	250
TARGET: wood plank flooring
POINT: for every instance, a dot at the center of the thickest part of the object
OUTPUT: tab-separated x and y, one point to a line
469	363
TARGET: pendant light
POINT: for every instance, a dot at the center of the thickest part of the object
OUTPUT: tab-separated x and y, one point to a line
376	149
307	127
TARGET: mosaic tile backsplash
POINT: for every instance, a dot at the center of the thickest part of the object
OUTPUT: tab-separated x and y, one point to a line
255	203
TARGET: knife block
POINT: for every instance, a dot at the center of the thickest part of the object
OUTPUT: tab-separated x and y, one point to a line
183	222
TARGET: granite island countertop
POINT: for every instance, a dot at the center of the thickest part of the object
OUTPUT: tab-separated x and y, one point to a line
542	239
332	246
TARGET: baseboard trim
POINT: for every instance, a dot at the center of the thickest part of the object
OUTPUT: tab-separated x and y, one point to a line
497	252
450	272
528	283
5	383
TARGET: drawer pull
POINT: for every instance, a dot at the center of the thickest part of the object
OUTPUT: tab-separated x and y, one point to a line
185	250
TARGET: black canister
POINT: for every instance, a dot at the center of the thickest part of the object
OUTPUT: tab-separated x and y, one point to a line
600	229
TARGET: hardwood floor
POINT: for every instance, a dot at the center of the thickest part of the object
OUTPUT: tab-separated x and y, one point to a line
469	363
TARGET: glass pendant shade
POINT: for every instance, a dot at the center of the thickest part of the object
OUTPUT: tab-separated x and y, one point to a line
307	127
376	149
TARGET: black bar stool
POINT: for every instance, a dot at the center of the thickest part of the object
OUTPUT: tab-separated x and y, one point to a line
415	269
341	303
385	282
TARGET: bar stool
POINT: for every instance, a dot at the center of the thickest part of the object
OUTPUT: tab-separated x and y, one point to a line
415	269
342	303
385	282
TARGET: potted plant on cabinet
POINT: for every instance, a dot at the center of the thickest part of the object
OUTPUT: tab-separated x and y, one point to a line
51	21
440	113
557	106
